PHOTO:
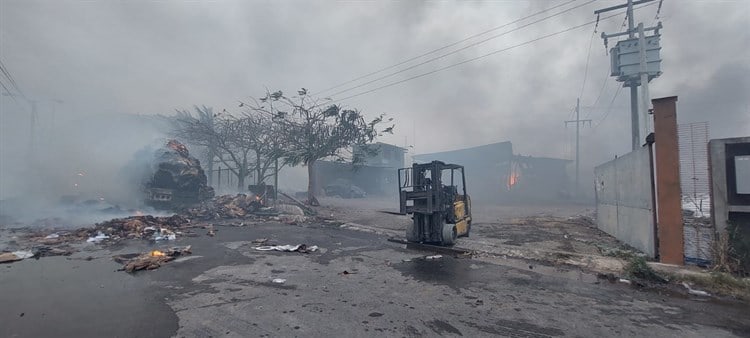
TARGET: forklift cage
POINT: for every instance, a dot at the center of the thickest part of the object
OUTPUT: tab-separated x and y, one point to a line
427	194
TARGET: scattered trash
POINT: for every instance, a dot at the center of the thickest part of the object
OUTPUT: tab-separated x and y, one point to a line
625	281
98	238
695	292
434	257
7	257
226	206
165	235
52	236
211	232
46	251
279	280
302	248
150	260
288	209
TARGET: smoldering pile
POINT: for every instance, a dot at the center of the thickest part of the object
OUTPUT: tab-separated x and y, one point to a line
227	207
151	260
138	227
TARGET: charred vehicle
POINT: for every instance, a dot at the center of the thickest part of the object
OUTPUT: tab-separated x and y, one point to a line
178	179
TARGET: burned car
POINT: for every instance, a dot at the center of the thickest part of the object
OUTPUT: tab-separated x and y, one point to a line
178	179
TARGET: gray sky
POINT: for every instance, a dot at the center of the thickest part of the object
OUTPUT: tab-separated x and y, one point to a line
149	57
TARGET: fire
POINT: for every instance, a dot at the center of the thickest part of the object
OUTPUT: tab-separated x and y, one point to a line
513	176
512	179
157	253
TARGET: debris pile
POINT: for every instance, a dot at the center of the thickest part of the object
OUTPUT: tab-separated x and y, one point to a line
226	206
178	179
142	227
150	260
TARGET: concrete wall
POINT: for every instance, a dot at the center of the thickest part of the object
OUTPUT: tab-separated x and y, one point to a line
725	199
624	200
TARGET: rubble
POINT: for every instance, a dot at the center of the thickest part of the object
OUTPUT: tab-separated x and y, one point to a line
139	227
225	206
150	260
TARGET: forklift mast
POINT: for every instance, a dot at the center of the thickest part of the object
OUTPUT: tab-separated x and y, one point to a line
430	192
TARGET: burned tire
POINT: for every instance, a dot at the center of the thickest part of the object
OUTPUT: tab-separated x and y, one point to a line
449	234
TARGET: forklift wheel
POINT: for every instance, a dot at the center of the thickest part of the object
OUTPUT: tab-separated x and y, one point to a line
449	234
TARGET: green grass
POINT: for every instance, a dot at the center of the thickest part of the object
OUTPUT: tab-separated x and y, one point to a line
637	268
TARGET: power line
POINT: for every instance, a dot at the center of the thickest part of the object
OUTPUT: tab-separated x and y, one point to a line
444	47
13	83
601	91
609	109
474	59
8	91
460	49
588	56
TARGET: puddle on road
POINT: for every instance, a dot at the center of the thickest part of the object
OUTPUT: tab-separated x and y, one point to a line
452	272
64	296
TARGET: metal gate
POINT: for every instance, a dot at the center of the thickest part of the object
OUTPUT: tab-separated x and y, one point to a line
696	199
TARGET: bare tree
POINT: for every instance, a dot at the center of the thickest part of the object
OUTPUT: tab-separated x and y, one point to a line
233	140
267	147
314	129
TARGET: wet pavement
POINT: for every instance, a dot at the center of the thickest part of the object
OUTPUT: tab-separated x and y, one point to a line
358	284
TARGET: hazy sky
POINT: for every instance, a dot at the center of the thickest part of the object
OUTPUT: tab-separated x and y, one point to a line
149	57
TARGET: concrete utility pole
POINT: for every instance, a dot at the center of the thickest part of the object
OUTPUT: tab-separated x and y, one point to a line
633	70
578	122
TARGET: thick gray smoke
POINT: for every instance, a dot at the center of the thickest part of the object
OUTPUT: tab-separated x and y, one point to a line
76	167
153	57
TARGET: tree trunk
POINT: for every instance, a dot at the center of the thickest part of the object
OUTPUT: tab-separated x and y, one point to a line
257	168
210	165
242	171
311	186
241	178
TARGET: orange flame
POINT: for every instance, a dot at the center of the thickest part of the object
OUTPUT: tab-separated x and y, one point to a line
512	180
157	253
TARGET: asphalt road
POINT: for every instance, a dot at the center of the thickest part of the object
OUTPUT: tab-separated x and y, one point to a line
358	284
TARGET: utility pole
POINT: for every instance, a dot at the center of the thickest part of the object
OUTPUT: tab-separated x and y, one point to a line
578	122
632	66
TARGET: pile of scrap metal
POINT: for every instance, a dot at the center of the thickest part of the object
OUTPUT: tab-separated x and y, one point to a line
178	179
226	206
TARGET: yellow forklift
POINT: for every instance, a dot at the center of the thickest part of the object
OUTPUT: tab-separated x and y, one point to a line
435	194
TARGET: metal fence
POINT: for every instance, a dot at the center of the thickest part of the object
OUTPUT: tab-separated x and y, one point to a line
223	180
696	200
693	140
